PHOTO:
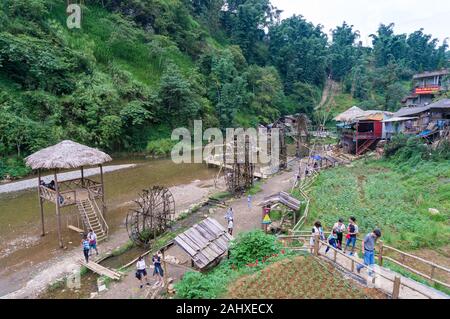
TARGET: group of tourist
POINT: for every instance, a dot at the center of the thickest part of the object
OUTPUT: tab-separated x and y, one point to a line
141	271
336	237
89	244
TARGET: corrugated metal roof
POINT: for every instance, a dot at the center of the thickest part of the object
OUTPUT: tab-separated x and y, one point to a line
204	242
355	114
408	111
430	74
399	119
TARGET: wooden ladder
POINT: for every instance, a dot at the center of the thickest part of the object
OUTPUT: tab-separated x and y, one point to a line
90	217
365	146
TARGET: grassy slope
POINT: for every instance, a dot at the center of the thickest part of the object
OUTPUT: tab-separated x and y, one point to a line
396	199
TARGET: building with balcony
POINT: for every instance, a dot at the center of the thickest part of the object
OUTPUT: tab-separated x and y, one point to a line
427	121
361	130
426	86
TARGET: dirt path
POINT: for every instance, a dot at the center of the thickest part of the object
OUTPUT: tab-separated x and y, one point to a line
245	219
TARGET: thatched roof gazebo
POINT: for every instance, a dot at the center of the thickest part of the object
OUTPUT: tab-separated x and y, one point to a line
80	191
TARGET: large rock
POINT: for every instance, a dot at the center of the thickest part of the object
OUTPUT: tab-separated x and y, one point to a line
433	211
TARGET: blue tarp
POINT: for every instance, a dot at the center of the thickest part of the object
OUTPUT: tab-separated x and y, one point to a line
425	133
316	158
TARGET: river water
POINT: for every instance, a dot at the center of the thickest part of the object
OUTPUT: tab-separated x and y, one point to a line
21	245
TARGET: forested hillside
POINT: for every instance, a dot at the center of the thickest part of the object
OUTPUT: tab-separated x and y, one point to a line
136	69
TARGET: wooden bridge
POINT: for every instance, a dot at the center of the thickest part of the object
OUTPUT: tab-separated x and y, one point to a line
99	269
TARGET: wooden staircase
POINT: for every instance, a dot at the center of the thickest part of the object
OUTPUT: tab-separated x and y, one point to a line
92	218
363	148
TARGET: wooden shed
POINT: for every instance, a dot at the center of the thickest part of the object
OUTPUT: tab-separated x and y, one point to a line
205	242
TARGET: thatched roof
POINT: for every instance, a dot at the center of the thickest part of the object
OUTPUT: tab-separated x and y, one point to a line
349	115
355	114
66	154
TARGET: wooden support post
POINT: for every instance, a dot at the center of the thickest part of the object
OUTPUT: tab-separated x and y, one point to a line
433	269
103	192
353	265
335	255
82	176
41	204
396	289
380	254
58	211
165	269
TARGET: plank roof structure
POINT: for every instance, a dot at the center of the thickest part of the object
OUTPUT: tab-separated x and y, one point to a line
205	242
282	198
409	111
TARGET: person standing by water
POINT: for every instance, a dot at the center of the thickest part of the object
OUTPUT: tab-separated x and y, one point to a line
141	272
351	235
86	248
158	271
368	247
92	237
339	227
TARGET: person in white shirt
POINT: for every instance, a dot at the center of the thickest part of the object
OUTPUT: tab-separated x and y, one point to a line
339	228
141	272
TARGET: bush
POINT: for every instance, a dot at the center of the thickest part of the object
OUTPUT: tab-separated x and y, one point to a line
406	149
246	249
160	147
252	246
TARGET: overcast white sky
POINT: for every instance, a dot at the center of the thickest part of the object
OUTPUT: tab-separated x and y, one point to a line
366	15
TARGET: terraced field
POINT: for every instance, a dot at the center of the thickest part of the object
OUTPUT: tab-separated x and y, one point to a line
299	278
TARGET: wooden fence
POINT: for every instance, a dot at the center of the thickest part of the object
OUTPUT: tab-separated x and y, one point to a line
396	282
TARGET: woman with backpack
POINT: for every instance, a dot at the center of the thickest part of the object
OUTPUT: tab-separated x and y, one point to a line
316	234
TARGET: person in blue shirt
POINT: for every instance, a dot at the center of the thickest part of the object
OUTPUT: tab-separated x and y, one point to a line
86	248
332	240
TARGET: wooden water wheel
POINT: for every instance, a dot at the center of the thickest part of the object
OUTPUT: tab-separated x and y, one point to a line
152	215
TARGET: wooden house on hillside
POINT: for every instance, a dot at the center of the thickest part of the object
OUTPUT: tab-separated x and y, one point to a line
426	121
426	86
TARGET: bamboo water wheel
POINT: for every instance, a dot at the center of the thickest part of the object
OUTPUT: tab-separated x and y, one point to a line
152	215
239	174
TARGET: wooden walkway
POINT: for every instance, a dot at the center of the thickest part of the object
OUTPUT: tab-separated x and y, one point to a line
99	269
282	198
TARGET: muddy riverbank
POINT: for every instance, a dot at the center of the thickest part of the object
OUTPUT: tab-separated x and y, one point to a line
28	262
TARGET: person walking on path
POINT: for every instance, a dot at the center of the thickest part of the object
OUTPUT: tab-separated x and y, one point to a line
353	231
92	237
229	214
249	201
158	271
332	240
86	248
339	228
368	247
230	226
316	234
141	272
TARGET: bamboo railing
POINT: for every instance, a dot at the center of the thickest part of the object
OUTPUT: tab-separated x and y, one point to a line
397	283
